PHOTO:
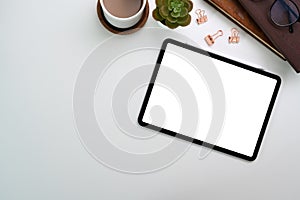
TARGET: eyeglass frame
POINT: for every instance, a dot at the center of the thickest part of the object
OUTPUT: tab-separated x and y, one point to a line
291	30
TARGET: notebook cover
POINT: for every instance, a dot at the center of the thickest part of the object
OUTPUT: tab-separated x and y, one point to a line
235	12
287	43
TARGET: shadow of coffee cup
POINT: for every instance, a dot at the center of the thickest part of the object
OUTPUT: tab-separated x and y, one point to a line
123	13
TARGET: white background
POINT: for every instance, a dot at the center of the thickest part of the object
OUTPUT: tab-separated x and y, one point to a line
42	46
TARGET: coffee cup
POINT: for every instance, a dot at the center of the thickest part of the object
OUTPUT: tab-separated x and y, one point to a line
123	13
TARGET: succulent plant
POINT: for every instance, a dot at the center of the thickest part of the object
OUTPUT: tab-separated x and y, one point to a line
173	13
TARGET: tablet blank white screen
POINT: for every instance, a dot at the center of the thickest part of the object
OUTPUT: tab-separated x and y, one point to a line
247	98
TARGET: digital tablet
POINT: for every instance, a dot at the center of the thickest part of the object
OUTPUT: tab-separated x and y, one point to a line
209	100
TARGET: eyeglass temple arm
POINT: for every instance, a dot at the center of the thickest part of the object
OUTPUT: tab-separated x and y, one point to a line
291	30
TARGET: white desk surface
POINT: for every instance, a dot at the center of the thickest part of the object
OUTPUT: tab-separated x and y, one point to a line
42	46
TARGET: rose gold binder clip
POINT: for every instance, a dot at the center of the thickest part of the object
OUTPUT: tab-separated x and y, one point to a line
210	39
202	18
234	38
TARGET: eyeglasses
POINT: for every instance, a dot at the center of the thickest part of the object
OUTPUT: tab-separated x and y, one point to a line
284	13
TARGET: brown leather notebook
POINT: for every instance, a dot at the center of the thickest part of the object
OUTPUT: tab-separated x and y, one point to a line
235	12
287	43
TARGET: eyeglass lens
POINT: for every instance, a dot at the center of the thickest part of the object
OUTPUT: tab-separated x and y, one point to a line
284	13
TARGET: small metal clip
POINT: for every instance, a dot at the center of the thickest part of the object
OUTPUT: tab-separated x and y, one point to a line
202	18
210	39
234	38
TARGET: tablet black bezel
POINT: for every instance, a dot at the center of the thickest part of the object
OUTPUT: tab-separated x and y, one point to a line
221	58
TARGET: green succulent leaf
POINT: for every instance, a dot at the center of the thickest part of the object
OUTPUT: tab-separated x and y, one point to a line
184	12
171	25
176	10
175	4
175	14
188	4
156	15
184	21
172	3
171	19
159	2
163	11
